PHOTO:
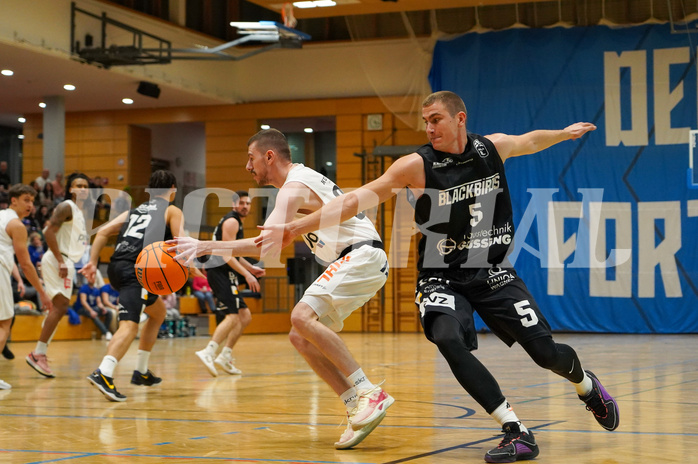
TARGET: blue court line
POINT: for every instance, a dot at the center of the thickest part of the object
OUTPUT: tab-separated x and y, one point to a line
75	455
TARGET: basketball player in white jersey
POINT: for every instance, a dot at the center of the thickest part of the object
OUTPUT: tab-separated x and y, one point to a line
13	242
66	237
358	269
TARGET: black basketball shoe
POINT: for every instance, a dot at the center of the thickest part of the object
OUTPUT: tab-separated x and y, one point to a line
148	379
602	404
105	385
515	446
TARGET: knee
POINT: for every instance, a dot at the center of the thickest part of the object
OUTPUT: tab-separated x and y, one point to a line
296	339
446	333
245	318
543	352
300	320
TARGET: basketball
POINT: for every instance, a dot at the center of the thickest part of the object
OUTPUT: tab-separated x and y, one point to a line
158	272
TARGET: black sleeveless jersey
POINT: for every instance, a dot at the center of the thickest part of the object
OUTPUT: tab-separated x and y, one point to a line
217	262
144	225
465	213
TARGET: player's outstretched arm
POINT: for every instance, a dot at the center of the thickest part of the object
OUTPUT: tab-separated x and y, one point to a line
509	146
407	171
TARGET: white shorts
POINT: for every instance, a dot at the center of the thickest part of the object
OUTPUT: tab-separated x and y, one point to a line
49	272
7	304
346	285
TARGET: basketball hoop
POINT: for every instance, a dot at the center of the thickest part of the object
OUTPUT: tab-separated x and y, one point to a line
287	15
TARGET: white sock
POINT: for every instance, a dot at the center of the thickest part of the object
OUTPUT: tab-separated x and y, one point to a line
142	361
359	380
350	398
108	365
505	413
585	386
211	348
41	348
227	352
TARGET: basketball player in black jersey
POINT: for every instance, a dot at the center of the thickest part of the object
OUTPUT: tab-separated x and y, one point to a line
150	222
232	314
463	210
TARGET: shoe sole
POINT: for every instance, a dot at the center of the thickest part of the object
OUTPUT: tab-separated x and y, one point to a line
528	457
211	369
385	404
366	430
38	369
106	394
145	384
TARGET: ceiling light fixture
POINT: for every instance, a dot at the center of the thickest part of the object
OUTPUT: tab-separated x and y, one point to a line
42	105
7	72
308	130
313	4
70	87
265	126
20	136
127	101
21	119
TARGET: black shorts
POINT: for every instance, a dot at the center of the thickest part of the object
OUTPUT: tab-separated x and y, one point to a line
133	298
224	285
497	294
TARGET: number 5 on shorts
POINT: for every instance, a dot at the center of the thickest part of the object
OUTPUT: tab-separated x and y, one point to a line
528	316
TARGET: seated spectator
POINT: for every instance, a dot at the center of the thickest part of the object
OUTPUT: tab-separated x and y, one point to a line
172	305
203	293
110	300
89	304
36	249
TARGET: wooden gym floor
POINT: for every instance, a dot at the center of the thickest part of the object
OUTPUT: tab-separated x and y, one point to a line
279	412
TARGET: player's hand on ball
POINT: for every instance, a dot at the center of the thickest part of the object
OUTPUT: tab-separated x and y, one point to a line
187	249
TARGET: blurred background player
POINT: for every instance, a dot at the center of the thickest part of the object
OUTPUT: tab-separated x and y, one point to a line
224	280
66	237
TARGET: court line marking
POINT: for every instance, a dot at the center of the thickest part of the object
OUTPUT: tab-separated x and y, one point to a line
166	456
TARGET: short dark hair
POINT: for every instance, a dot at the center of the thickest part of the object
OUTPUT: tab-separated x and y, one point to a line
453	103
272	139
162	179
18	190
71	178
242	193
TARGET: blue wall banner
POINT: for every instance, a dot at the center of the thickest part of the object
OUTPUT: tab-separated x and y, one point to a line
607	225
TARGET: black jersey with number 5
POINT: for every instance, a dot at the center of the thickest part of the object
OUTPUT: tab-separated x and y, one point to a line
145	224
465	213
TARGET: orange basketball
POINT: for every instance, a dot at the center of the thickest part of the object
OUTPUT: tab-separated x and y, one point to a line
158	272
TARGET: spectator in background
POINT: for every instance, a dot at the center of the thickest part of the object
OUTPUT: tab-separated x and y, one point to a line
172	305
203	293
37	199
42	215
46	196
5	180
42	180
58	188
110	300
30	221
89	303
36	249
